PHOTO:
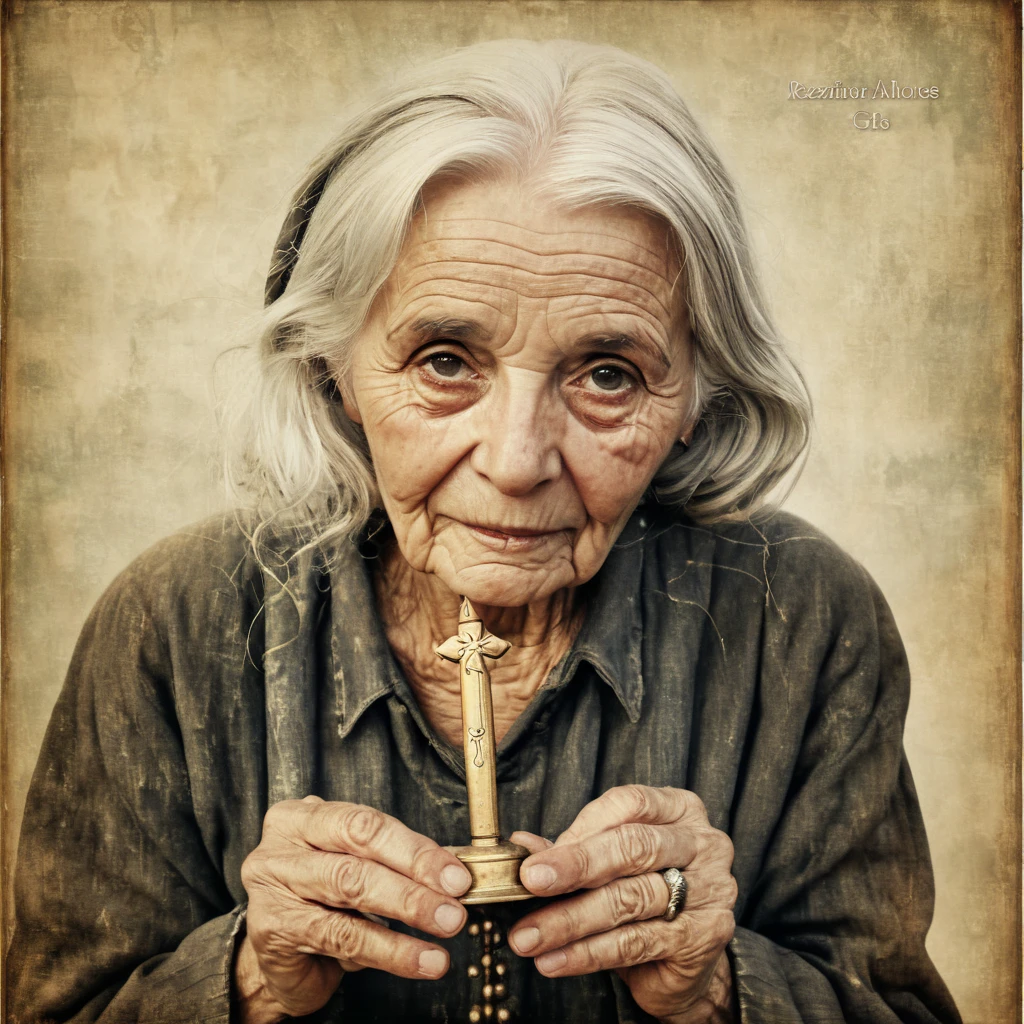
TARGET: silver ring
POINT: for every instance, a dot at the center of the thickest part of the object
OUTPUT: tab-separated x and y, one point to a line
676	882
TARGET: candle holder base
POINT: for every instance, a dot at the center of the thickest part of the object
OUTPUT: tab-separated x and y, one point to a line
495	871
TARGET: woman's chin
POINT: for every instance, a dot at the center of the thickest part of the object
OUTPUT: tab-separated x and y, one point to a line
508	586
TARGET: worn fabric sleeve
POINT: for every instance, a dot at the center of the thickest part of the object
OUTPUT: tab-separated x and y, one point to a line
112	867
834	926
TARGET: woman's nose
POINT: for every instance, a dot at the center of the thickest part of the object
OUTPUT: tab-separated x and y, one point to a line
519	446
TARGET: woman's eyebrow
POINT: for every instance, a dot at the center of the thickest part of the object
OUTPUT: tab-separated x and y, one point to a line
620	342
455	328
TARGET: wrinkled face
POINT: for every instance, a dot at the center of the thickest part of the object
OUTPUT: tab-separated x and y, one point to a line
520	378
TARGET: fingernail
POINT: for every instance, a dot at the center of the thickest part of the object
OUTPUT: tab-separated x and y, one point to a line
433	963
553	961
448	918
540	876
525	939
455	879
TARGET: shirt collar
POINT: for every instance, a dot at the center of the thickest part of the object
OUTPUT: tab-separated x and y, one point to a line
364	667
609	640
611	636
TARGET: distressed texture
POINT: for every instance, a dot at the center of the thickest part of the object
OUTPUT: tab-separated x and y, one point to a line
151	148
759	668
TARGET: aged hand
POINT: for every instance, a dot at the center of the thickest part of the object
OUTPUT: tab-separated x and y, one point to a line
319	867
676	970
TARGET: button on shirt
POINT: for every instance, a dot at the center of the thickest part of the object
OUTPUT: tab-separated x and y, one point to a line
757	666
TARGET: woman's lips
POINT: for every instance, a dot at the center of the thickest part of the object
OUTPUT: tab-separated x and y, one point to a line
514	537
508	531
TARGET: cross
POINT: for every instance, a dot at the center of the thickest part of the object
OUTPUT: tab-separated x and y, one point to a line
472	642
470	645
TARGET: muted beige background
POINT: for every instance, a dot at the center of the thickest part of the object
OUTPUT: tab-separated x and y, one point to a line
150	151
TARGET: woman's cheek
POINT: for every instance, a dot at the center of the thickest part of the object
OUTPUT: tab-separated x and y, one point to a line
414	534
613	468
412	452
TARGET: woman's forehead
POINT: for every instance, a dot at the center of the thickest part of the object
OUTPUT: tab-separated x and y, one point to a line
507	212
472	237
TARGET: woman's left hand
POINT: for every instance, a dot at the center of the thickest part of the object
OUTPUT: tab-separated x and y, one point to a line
676	970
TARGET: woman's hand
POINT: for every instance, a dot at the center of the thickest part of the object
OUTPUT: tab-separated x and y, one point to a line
319	867
677	970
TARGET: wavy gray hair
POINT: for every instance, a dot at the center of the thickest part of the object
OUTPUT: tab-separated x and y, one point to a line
587	126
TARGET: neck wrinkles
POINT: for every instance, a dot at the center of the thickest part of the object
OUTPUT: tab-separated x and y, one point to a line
419	612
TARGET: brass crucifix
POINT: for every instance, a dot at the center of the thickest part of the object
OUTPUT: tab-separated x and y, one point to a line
493	862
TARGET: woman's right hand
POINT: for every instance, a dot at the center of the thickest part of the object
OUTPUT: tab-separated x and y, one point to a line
318	868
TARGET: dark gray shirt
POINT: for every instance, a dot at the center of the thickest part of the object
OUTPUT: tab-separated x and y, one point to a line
758	666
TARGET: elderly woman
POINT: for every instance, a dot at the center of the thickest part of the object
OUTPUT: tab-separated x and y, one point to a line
514	350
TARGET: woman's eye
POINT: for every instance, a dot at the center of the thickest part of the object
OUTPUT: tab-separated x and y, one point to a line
444	364
609	378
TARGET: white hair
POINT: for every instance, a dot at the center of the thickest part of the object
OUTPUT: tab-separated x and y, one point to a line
585	125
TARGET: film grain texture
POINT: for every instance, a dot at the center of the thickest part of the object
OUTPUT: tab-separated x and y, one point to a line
151	149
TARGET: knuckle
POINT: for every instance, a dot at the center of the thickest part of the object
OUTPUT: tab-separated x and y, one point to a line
628	899
727	850
362	826
715	852
695	805
638	845
344	936
565	925
424	862
250	872
583	959
277	816
581	861
346	878
636	799
723	927
257	869
713	846
654	893
411	905
632	946
729	893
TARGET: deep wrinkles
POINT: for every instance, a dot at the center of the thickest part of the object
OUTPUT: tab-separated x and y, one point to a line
467	456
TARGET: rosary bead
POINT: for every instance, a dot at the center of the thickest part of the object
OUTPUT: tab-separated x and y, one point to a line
496	937
474	1015
488	1011
499	991
504	1015
474	929
499	970
488	925
473	971
485	960
488	991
